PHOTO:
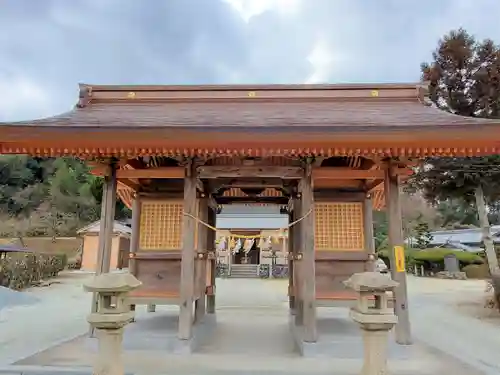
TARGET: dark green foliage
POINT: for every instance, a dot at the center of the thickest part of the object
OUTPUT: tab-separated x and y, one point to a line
432	259
438	255
380	229
477	271
445	179
423	236
21	270
464	79
48	197
465	75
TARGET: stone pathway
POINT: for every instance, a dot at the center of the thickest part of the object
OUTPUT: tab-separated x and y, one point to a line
55	314
251	336
439	322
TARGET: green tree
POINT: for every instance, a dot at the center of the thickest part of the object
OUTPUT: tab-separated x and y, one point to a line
464	79
48	196
423	236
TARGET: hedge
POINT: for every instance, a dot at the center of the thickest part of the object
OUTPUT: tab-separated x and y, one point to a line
21	270
477	271
433	257
438	255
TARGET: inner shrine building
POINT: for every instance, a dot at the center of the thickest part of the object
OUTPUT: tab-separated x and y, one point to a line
329	154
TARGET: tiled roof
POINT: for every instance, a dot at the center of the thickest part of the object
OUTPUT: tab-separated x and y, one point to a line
333	120
464	236
95	228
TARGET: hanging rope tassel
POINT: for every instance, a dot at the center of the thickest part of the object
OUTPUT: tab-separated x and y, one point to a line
249	237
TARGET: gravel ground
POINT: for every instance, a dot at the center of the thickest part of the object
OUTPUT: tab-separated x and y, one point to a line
449	315
38	318
445	314
10	298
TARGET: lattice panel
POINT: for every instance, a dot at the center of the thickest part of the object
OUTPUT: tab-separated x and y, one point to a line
338	226
161	225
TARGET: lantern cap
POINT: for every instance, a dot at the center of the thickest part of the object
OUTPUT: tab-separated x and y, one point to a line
370	282
112	282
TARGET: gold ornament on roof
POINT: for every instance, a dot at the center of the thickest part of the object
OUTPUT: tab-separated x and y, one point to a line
131	95
374	93
252	94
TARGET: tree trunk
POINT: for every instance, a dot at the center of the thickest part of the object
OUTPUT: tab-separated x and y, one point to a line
489	246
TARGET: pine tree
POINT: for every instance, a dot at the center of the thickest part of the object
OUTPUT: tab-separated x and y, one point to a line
464	79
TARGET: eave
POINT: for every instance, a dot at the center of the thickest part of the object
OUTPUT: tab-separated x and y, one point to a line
293	120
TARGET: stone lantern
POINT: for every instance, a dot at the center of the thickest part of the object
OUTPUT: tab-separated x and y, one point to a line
374	316
112	315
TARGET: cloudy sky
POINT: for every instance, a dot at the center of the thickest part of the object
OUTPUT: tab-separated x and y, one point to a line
48	46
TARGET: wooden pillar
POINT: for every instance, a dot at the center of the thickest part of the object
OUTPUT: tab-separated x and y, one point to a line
396	242
211	235
135	236
368	233
291	266
188	254
298	265
107	221
106	228
308	257
201	263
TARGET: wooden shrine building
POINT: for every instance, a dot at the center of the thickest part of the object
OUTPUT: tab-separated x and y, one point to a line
330	153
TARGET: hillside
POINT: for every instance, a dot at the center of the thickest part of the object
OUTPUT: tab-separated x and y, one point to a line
48	197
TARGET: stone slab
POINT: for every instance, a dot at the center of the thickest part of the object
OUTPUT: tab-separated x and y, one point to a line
158	331
339	337
47	370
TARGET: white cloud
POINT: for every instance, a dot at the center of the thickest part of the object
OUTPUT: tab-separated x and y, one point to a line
49	46
18	93
324	60
251	8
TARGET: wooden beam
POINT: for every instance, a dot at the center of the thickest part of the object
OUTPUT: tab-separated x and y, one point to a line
291	261
368	233
135	237
106	228
308	262
231	171
130	184
211	237
201	263
135	163
298	265
246	182
271	200
276	172
327	183
161	172
339	173
188	255
396	242
374	185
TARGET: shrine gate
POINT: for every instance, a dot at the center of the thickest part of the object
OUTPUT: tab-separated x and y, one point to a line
329	153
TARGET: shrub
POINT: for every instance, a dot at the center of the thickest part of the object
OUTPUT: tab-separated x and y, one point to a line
264	271
409	261
221	270
279	271
21	270
433	258
74	263
438	255
477	271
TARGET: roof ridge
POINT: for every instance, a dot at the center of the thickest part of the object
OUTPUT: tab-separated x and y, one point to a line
243	87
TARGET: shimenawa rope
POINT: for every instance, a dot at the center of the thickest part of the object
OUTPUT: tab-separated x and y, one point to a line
249	237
